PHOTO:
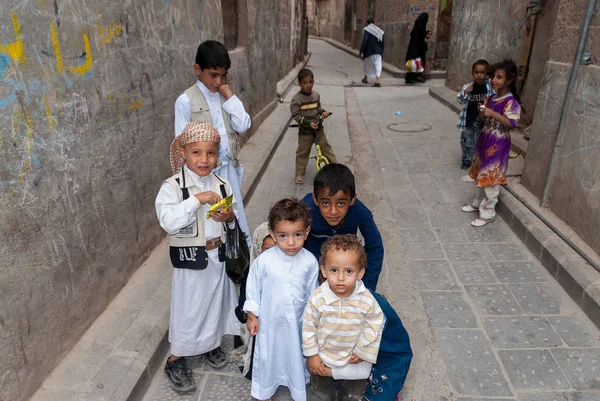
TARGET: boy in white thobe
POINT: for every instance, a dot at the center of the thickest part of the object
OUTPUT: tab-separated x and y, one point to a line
280	281
203	298
211	101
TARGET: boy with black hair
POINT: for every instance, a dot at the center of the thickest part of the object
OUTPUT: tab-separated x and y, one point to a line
336	210
471	96
212	101
307	111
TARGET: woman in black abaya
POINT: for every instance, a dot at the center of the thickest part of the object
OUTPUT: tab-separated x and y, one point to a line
417	47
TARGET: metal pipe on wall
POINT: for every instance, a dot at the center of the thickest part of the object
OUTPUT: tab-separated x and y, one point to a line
585	30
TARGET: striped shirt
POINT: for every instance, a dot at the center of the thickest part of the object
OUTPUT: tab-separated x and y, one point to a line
335	328
464	99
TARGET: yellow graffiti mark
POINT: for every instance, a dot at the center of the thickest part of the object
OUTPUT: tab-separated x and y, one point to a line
118	104
135	105
41	4
49	117
15	50
80	70
109	32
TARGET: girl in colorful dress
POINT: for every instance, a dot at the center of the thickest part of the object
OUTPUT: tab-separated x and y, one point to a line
500	113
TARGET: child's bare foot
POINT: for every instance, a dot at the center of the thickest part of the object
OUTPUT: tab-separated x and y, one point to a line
299	180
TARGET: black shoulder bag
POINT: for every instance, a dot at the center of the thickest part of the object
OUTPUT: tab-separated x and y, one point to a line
236	251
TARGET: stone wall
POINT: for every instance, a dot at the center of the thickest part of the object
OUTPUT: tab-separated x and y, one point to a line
483	29
86	102
575	186
540	52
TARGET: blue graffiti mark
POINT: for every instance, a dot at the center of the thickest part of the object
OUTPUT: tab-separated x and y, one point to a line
242	89
420	9
585	148
165	3
38	87
173	21
11	97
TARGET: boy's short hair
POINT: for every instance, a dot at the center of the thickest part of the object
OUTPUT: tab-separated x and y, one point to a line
346	242
212	54
336	177
429	31
290	210
370	20
482	62
305	72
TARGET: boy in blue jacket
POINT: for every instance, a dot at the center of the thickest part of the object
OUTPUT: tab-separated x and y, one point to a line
336	210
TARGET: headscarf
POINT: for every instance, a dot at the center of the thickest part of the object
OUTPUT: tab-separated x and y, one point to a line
194	131
420	25
416	45
258	238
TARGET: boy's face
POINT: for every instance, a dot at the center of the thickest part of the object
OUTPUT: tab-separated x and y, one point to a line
289	236
201	157
479	74
341	270
429	35
212	78
307	84
334	207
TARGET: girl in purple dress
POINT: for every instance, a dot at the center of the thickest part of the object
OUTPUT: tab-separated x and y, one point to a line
500	113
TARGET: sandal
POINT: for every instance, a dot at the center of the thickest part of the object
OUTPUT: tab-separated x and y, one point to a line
479	222
299	180
364	81
377	85
469	209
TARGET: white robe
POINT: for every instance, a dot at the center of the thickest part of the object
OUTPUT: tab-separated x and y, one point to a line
240	122
202	301
372	65
277	290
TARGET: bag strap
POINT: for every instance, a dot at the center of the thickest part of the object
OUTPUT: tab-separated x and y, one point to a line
184	190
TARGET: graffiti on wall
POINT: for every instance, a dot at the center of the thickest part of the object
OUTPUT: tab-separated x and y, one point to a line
32	107
417	7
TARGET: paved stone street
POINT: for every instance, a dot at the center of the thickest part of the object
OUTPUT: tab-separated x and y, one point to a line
485	318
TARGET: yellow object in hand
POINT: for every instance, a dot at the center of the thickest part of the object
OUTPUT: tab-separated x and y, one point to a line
222	205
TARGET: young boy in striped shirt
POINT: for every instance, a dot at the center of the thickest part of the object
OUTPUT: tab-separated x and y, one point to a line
343	323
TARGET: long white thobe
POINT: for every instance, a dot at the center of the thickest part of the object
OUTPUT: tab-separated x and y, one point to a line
277	290
240	122
202	301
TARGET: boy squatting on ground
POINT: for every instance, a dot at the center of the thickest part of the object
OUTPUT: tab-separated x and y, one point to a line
211	100
471	96
279	283
203	298
307	111
342	325
336	210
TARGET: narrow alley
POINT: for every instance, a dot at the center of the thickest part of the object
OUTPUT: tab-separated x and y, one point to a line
485	318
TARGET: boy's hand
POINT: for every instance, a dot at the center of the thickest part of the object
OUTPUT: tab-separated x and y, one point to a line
252	324
354	359
325	114
225	91
224	216
469	88
315	365
314	125
209	197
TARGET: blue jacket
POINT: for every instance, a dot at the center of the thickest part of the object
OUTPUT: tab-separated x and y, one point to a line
371	45
358	217
389	373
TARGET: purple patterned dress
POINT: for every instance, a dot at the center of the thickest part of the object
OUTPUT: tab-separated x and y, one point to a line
493	146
